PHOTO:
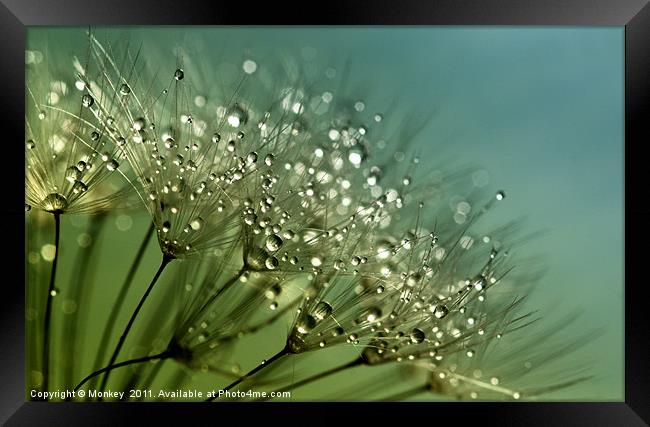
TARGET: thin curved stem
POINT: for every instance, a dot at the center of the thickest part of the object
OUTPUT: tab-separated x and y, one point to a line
48	305
356	362
117	305
164	355
165	261
264	364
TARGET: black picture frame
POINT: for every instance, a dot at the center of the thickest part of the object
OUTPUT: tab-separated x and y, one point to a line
634	15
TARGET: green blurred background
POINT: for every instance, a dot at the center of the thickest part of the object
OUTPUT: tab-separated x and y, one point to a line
541	109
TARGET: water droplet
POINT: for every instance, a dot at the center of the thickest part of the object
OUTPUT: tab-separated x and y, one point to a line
470	353
250	218
273	305
500	195
30	144
321	311
273	242
271	263
55	202
79	187
112	165
373	176
179	74
372	314
166	226
273	292
236	116
384	250
413	279
479	283
72	174
316	261
441	311
251	158
356	155
416	336
87	101
249	66
305	324
197	223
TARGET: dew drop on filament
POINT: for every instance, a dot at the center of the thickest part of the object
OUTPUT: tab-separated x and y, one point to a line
273	242
321	311
197	223
417	336
441	311
87	101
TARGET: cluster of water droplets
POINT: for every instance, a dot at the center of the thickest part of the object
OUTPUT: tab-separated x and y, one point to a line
67	160
302	194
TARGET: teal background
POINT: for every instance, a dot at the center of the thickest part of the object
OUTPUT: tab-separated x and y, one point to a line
541	109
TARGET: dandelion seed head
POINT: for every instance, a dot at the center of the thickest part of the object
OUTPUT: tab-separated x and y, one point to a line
63	173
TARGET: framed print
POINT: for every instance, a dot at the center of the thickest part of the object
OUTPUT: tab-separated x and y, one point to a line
427	209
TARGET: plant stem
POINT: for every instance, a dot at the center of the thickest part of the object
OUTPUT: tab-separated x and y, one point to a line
117	305
356	362
264	364
165	260
164	355
48	305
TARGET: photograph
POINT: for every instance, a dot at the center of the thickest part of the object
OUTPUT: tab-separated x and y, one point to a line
324	213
